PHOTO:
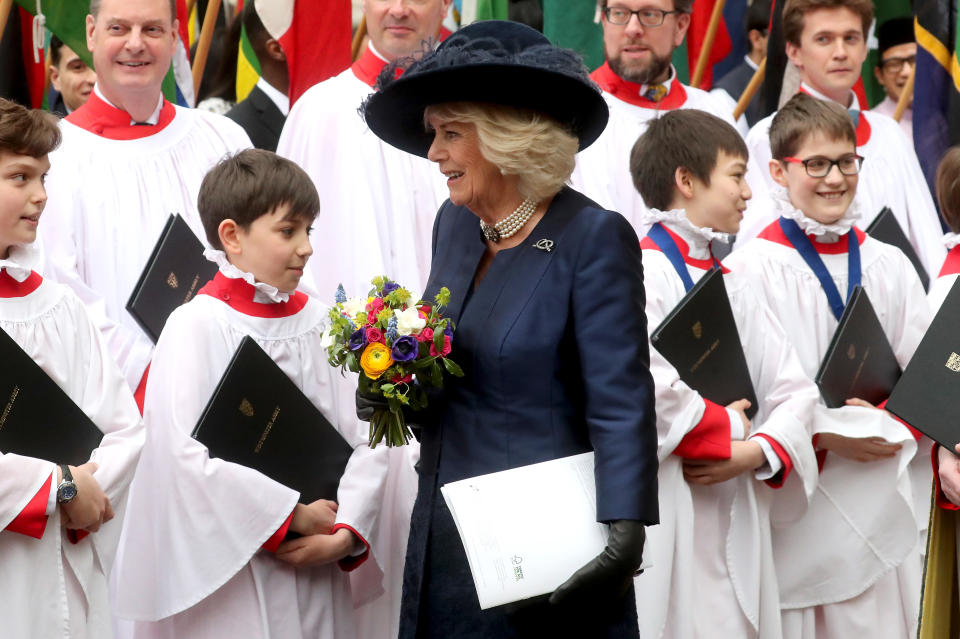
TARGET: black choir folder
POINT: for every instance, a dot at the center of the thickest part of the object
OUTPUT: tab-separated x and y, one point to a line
174	273
886	229
859	361
38	419
699	338
258	417
928	394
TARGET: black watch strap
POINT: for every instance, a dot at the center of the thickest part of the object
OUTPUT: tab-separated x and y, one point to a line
65	471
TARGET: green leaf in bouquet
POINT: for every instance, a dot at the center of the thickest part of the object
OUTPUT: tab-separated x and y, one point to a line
438	335
378	282
443	297
383	317
436	377
452	367
361	318
353	365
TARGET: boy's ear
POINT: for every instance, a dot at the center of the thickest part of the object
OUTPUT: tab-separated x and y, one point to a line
683	182
229	234
778	172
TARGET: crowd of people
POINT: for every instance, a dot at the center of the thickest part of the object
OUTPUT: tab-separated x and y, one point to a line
568	213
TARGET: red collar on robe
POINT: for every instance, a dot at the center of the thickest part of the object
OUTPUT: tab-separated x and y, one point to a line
684	248
951	265
10	287
629	92
238	295
773	233
367	67
863	125
100	118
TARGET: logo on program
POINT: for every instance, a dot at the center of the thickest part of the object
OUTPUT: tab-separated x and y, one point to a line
516	560
172	281
246	408
697	329
953	362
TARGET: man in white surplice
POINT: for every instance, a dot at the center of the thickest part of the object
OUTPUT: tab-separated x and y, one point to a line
128	160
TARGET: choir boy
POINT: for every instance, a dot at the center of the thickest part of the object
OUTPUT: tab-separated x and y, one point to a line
714	571
59	524
204	553
850	566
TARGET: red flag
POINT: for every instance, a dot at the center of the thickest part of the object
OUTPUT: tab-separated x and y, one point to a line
699	20
34	72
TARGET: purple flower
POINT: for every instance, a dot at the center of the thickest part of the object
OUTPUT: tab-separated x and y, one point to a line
448	331
405	349
388	288
358	340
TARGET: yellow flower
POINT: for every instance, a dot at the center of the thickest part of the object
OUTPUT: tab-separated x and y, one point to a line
375	360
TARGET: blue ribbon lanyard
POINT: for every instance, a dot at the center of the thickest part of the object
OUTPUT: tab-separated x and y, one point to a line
662	239
804	246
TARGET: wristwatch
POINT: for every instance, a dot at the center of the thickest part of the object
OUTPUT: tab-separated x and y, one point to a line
67	489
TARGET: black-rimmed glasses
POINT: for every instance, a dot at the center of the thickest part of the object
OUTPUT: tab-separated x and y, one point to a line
818	167
647	17
895	65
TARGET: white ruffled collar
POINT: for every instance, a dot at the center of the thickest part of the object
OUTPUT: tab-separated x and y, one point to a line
951	240
22	261
263	294
698	238
827	233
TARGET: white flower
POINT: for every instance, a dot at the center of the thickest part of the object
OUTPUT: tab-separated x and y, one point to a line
409	321
326	340
353	306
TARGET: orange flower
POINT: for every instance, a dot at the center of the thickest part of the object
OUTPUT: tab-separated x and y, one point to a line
375	360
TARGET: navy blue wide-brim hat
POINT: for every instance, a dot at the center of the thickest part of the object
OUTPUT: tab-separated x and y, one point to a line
493	61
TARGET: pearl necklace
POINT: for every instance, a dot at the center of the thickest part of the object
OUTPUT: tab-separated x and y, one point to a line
508	226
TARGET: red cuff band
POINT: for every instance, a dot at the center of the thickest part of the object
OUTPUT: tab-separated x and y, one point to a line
276	538
352	562
777	480
140	394
76	536
710	438
32	520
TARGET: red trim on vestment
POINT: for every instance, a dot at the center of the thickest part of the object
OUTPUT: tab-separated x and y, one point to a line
913	431
710	438
10	287
951	265
76	536
140	394
773	233
32	520
942	500
629	92
367	67
777	480
238	295
276	538
352	562
684	248
112	123
863	126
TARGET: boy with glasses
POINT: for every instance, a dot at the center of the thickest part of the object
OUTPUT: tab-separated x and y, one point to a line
849	566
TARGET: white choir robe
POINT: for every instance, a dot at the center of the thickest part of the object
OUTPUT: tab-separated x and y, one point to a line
192	564
108	199
947	275
377	206
52	587
713	572
602	172
852	563
890	176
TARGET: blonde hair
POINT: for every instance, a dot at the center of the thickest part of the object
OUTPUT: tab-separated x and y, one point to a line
533	146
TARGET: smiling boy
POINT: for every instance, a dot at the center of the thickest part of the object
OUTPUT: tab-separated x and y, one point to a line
717	470
827	41
850	566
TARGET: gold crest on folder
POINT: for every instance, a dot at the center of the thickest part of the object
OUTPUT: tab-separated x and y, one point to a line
953	362
246	408
172	281
697	329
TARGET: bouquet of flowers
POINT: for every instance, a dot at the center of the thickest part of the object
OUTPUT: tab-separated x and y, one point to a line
399	346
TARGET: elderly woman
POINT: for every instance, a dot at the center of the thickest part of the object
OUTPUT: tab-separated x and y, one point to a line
548	301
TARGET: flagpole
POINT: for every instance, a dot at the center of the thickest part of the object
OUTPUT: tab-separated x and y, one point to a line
906	95
203	45
5	7
190	5
751	89
712	27
358	39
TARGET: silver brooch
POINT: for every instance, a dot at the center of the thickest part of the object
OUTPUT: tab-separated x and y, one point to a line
544	245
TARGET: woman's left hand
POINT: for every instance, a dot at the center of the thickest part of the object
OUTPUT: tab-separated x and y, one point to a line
316	550
744	457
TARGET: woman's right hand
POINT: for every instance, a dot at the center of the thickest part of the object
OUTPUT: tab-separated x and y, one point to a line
316	518
861	449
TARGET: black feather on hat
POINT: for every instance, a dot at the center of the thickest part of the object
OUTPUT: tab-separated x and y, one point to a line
492	61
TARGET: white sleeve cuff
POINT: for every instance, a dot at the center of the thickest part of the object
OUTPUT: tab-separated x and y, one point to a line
773	464
736	425
52	498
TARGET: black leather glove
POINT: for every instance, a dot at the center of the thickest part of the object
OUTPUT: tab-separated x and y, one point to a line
367	404
605	579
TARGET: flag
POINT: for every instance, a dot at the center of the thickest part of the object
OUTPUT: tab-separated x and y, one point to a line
315	35
575	25
699	21
248	67
473	10
936	93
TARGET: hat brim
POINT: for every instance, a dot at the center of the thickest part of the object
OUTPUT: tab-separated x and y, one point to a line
395	114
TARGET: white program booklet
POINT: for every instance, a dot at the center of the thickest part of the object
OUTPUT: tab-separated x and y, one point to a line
528	529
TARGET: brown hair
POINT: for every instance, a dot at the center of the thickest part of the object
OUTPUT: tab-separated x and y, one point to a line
27	131
250	184
683	6
803	115
795	10
95	9
948	188
685	138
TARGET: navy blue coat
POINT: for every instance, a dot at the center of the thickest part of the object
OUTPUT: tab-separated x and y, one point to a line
554	349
